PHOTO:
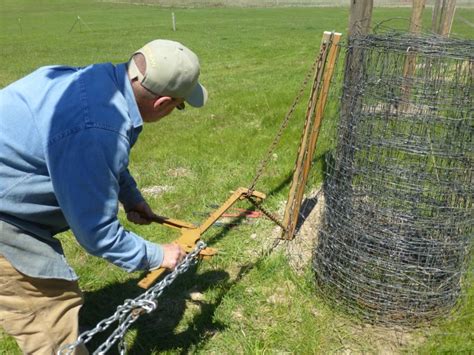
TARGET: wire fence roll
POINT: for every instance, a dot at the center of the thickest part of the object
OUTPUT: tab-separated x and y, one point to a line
397	237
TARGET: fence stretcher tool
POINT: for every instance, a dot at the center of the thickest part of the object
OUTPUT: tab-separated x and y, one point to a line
191	234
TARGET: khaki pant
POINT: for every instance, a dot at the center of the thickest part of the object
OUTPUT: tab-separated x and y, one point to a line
41	314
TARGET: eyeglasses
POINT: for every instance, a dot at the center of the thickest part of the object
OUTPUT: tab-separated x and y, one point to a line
181	106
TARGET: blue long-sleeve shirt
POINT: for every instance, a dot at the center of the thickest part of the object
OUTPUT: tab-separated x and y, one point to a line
65	139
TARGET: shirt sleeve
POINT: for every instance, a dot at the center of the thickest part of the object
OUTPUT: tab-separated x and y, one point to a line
129	194
86	168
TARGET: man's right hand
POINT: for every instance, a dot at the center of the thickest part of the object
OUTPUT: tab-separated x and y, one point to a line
172	255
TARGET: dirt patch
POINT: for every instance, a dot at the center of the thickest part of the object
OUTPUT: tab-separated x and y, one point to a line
179	172
155	191
385	340
299	251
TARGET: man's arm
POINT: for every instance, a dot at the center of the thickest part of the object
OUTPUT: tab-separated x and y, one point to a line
85	168
129	194
137	209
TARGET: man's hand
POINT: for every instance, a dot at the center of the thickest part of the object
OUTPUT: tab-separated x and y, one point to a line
172	255
141	213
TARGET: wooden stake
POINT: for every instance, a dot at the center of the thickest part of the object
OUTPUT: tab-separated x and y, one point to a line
435	16
447	17
173	20
443	16
314	117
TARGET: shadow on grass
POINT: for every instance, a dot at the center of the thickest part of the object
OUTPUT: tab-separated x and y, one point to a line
159	330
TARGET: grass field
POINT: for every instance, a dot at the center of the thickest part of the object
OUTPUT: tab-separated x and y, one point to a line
253	62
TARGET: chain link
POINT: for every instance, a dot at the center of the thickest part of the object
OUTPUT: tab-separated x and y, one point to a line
267	213
127	313
319	61
276	140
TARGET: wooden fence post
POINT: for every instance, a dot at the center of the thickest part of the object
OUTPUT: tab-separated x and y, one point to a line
416	16
314	117
360	17
443	15
410	60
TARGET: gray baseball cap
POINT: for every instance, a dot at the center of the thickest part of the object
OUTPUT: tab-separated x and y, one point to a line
171	70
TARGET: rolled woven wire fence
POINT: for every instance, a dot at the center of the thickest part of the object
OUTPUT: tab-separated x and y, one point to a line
398	226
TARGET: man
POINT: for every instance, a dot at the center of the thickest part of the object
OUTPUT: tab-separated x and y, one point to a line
65	139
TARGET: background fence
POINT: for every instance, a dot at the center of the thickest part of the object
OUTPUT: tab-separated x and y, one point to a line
274	3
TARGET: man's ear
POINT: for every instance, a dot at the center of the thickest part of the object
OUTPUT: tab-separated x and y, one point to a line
161	102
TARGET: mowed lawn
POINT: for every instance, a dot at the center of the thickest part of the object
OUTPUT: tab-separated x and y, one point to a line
253	63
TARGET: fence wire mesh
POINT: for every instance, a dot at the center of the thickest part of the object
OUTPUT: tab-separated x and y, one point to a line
398	225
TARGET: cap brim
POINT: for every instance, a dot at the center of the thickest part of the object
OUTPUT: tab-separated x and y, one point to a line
198	97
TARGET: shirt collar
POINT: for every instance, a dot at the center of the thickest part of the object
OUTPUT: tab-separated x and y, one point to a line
122	76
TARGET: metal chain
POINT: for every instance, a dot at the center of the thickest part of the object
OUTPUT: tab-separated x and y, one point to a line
276	140
267	213
266	158
132	309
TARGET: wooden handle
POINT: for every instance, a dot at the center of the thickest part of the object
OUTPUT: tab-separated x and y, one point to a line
148	280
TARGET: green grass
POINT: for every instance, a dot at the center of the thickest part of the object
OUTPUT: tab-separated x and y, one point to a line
253	62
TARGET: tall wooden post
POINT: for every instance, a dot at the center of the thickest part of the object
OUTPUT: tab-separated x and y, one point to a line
351	103
410	60
359	24
416	16
443	15
360	17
